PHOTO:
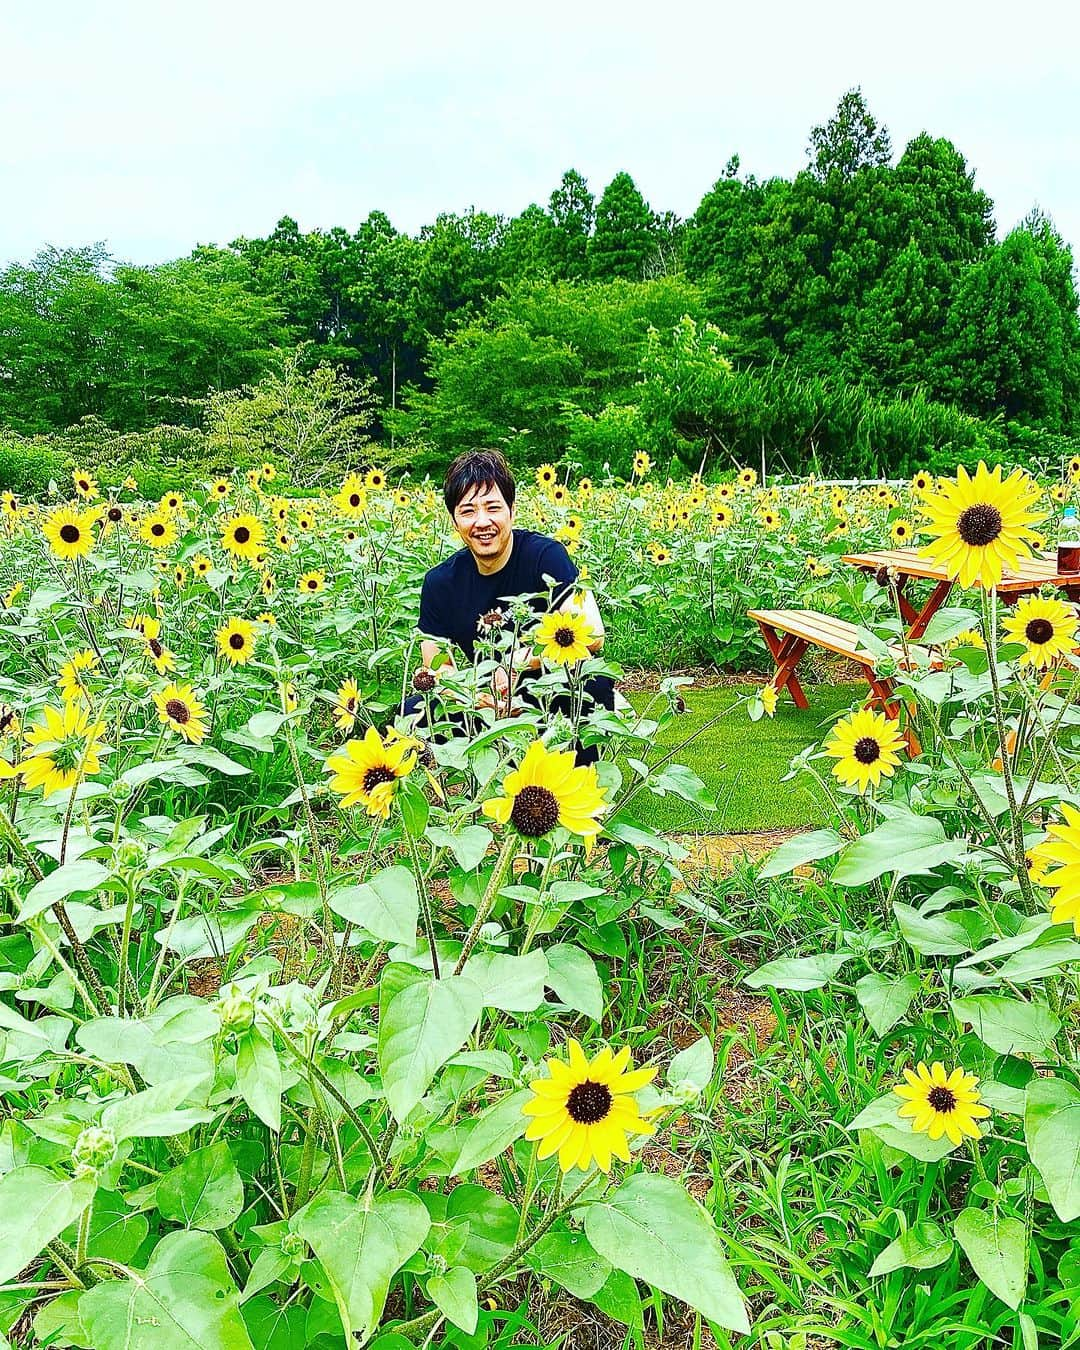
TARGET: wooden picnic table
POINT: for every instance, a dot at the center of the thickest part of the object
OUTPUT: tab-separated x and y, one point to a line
1029	575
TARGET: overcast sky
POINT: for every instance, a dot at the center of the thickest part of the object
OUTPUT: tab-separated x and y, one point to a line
157	126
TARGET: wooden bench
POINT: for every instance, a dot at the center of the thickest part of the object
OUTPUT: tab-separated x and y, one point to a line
789	632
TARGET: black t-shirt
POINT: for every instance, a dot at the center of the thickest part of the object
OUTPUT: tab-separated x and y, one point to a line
456	593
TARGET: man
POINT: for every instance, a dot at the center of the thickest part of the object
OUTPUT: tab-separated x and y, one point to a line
497	563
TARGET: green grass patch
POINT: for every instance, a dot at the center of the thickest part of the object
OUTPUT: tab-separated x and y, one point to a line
742	762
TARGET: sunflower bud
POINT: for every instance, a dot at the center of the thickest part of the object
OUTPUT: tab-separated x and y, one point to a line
120	792
292	1244
131	855
94	1149
438	1263
423	681
236	1008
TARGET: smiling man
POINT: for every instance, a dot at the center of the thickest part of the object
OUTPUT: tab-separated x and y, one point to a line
498	563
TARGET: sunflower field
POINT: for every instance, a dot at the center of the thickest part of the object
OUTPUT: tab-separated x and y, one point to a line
319	1031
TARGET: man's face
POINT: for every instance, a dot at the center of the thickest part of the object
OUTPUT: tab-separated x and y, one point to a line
484	521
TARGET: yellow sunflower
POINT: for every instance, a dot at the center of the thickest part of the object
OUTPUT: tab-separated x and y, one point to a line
171	501
1045	626
72	681
179	707
284	541
747	478
1074	467
1061	492
351	498
305	521
642	464
922	482
768	699
220	488
1061	848
201	564
243	535
722	517
901	532
69	531
236	641
158	530
864	745
564	637
67	748
269	473
375	480
311	583
348	701
981	525
937	1102
368	771
585	1111
546	790
86	485
545	475
559	494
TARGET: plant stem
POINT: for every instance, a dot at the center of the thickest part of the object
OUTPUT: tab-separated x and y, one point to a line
498	875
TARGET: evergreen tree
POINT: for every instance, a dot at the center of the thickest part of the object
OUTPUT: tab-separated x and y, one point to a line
849	141
572	209
626	232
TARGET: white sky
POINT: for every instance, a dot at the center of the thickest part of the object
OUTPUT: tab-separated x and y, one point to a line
156	126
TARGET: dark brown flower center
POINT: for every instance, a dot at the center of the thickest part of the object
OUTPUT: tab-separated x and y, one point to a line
354	499
379	773
1039	631
178	710
564	637
867	750
155	646
979	525
241	534
942	1099
588	1102
84	485
236	641
423	681
70	534
114	514
535	811
313	583
157	528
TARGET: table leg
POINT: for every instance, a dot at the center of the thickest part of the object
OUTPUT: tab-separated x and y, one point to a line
787	652
938	596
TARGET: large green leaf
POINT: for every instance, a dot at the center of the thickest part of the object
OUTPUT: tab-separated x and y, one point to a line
997	1250
454	1294
798	972
184	1300
922	1247
492	1131
36	1207
386	906
569	1258
468	845
204	1191
361	1245
74	878
909	846
1010	1026
572	975
420	1027
116	1231
1052	1132
932	934
803	848
159	1111
651	1229
258	1076
509	983
885	999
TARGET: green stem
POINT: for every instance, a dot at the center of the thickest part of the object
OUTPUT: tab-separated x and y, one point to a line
425	901
498	875
1016	822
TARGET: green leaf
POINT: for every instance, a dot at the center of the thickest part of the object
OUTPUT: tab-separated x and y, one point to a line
798	972
185	1300
949	622
692	1069
1052	1133
908	845
258	1076
468	845
158	1111
492	1131
116	1231
509	983
204	1191
74	878
274	1327
882	1120
37	1206
1010	1026
492	1225
572	975
651	1229
569	1258
266	725
361	1245
997	1250
885	999
454	1294
932	934
803	848
420	1027
415	807
386	906
920	1248
210	758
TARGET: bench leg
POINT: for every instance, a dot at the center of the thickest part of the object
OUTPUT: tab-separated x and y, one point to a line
787	651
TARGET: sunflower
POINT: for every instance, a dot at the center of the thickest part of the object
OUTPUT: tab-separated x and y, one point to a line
770	519
545	475
201	564
243	535
722	517
901	531
179	707
9	721
940	1103
267	618
922	482
1060	493
311	583
86	485
864	745
351	498
982	524
564	637
129	484
220	488
659	554
72	680
69	531
112	517
290	697
348	700
642	464
546	790
368	771
171	501
1046	627
375	480
584	1111
768	699
268	585
559	494
1062	847
305	521
585	489
747	478
236	641
726	492
268	472
9	599
158	530
254	480
1074	467
68	749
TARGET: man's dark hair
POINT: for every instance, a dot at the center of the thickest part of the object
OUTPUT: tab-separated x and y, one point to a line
477	469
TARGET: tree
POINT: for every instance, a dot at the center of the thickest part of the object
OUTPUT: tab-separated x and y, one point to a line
849	141
626	232
572	209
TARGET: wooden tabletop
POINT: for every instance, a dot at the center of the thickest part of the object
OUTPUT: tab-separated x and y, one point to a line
1028	575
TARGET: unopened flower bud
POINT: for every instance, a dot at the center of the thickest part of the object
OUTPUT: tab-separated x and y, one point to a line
94	1149
236	1008
292	1244
120	792
131	855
